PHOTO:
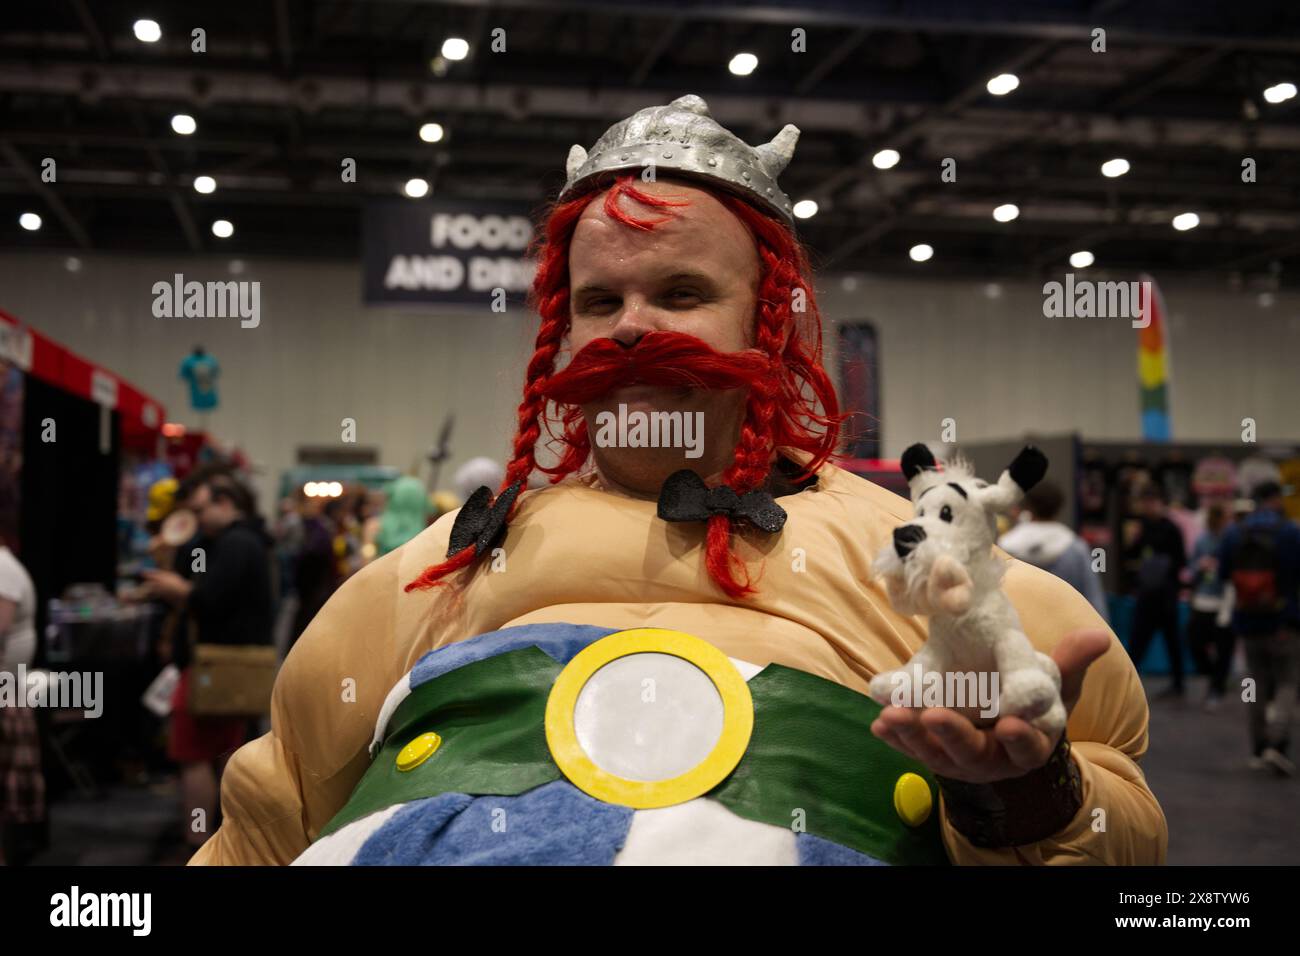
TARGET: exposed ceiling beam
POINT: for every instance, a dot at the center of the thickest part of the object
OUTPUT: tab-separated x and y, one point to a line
1283	251
48	192
284	35
938	17
903	133
909	129
174	197
657	49
861	115
98	43
1133	93
136	111
825	64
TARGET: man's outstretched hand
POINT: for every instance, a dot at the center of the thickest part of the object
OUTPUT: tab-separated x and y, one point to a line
951	746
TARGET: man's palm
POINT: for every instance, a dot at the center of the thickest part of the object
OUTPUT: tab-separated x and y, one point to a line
951	746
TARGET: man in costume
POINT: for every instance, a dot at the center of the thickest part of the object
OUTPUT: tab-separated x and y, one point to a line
463	698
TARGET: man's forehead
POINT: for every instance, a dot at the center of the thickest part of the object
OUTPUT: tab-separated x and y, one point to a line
702	230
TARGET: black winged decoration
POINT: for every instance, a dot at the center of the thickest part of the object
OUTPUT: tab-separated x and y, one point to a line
685	497
481	520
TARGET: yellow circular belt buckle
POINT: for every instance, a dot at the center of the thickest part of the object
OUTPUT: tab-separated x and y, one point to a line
575	763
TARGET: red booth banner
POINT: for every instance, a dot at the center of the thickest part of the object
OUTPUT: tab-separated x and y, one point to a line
37	354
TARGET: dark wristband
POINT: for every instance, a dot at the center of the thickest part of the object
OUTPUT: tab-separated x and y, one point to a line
1020	810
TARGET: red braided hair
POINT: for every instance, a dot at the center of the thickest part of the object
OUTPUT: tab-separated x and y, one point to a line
796	409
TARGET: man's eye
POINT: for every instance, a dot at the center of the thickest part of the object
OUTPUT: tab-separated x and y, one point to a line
945	513
680	296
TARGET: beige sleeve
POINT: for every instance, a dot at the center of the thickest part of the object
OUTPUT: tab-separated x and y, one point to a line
279	790
1120	821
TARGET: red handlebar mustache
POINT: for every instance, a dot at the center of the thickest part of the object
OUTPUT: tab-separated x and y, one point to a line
671	359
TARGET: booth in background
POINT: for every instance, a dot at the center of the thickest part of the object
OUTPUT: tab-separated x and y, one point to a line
77	422
68	427
1100	478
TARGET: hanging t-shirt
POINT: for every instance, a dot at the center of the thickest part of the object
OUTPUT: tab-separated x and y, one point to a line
201	372
18	644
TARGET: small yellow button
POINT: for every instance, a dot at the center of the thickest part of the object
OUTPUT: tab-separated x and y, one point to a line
421	749
912	800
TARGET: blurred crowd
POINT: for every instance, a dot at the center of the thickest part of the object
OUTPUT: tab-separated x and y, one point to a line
1234	569
231	594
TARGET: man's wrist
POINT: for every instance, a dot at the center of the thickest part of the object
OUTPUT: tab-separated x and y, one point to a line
1020	810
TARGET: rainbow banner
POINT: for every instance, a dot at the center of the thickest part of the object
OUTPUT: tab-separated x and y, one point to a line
1153	364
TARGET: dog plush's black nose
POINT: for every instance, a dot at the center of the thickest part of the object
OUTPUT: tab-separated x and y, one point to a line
906	538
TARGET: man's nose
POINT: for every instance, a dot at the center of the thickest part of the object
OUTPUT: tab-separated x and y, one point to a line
637	318
906	538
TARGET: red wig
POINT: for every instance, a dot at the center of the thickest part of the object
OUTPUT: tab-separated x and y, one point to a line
796	408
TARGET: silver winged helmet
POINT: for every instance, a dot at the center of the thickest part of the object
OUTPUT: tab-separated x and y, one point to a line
682	138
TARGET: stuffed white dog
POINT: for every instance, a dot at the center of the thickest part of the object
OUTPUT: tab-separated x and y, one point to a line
941	564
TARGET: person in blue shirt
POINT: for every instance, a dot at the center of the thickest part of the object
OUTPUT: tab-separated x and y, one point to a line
1208	631
1260	558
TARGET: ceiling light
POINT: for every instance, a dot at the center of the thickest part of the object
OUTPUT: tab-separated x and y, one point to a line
1003	83
184	124
1114	167
805	208
223	229
147	31
885	159
1006	212
30	221
1280	93
1082	259
921	252
743	64
454	48
415	188
1186	220
431	132
204	184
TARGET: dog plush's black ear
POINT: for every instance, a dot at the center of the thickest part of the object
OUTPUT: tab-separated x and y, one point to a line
916	458
1028	468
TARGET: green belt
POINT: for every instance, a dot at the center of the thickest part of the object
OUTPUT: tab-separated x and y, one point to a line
811	750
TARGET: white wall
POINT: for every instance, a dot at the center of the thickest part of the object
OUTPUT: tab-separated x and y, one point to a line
316	358
1000	368
997	366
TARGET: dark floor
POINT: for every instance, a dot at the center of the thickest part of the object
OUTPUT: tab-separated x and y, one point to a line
1219	811
127	826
